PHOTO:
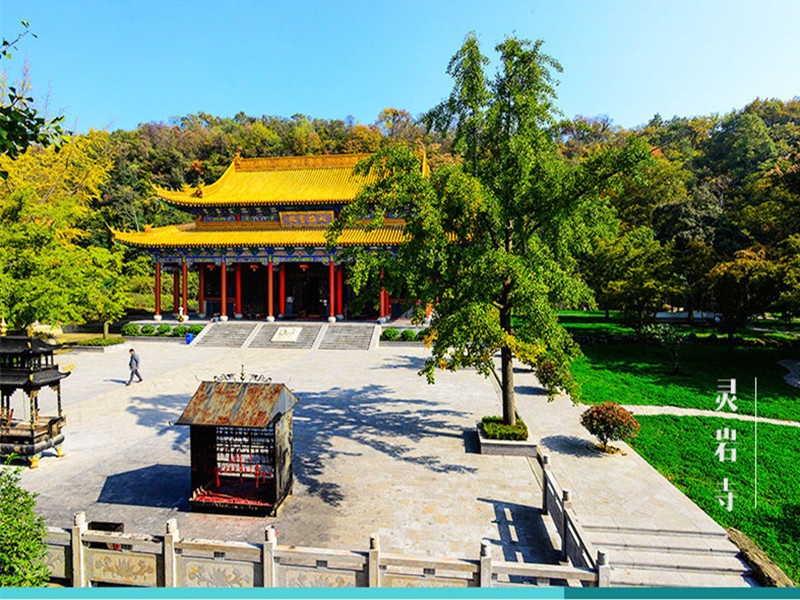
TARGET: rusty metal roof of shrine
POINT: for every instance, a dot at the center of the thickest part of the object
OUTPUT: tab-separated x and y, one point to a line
237	404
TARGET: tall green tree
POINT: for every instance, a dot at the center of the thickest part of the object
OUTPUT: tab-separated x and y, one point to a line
492	240
742	288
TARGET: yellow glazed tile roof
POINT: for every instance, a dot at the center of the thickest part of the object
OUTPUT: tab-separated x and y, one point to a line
281	180
189	235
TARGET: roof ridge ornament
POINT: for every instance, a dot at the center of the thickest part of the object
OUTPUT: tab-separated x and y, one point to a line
242	377
426	170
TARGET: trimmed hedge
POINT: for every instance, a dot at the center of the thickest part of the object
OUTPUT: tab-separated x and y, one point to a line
112	341
495	429
164	329
148	329
179	331
408	335
390	334
130	329
195	329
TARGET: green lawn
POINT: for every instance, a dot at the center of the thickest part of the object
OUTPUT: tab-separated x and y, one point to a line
594	322
622	373
682	449
778	324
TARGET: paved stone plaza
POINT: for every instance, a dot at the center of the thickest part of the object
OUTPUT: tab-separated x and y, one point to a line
376	450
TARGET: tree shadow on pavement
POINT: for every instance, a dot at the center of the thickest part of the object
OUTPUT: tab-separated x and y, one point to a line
396	427
571	445
159	413
368	415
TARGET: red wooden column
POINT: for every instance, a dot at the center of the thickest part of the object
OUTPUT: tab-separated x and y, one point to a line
339	291
201	291
185	288
331	292
175	292
382	300
282	291
237	308
157	316
270	293
223	272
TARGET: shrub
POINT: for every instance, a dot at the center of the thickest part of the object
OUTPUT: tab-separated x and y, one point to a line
148	329
609	421
179	331
110	341
495	429
130	329
408	335
390	334
195	329
22	534
164	329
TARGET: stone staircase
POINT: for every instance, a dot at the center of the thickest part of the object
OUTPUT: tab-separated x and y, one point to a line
226	335
263	339
671	558
336	336
347	337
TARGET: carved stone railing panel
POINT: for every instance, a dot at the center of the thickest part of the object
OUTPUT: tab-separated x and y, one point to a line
299	576
205	572
58	561
123	568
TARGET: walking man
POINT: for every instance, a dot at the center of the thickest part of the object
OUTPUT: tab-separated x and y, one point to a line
134	365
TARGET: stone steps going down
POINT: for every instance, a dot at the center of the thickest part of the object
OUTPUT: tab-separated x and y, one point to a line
347	337
227	335
305	339
643	557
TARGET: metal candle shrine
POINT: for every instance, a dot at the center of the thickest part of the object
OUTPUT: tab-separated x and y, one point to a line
26	364
241	446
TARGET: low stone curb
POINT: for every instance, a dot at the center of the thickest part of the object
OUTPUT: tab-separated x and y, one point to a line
505	447
95	348
166	339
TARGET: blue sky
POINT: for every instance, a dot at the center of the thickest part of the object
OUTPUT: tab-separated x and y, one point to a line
114	64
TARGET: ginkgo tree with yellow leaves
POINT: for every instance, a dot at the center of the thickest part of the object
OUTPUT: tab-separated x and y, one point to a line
46	274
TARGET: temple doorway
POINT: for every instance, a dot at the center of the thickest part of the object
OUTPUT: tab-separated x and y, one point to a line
307	290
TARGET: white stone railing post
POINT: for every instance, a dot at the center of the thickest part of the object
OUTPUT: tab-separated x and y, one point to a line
373	565
545	470
566	504
603	570
78	551
170	561
268	557
485	573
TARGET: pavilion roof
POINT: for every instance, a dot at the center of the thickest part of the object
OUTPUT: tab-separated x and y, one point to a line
271	181
241	235
237	404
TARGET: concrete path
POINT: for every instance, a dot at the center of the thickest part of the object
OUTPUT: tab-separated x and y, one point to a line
651	531
696	412
376	450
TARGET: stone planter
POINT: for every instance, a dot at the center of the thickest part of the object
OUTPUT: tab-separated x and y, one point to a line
505	447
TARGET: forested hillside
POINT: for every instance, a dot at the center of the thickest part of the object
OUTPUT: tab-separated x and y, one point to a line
712	222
